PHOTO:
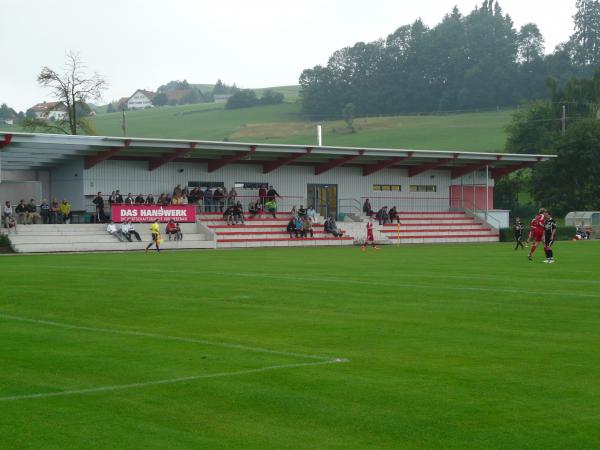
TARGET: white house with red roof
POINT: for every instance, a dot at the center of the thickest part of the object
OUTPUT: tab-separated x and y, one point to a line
50	111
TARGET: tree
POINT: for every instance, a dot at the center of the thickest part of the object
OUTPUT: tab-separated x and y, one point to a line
242	99
271	97
587	32
160	99
74	89
531	43
533	129
348	115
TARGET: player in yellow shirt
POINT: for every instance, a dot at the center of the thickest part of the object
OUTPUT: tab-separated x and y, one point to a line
155	230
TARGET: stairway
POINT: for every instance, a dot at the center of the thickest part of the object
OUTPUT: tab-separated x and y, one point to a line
93	237
266	231
438	227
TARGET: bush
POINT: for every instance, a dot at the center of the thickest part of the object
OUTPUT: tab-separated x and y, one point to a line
4	242
562	234
242	99
271	97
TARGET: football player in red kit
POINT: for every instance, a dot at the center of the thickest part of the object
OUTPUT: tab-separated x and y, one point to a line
537	231
370	237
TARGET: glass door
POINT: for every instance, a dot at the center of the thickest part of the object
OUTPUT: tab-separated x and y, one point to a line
323	198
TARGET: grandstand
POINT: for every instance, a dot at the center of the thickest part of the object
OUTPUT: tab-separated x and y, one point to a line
441	196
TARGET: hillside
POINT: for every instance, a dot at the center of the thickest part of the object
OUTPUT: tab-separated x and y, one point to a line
284	124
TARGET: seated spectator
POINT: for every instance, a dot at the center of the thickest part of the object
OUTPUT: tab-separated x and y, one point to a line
129	199
291	228
177	191
298	227
383	216
168	200
7	213
255	208
311	214
32	216
271	207
171	229
394	215
231	197
112	229
177	199
54	211
140	200
228	215
302	211
132	231
21	211
125	230
367	208
178	232
11	224
331	227
294	211
238	213
308	228
150	199
161	199
45	212
65	211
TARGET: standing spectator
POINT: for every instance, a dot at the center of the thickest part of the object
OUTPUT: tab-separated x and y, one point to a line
118	198
394	215
150	199
262	194
99	202
140	200
21	211
161	199
65	211
219	198
272	193
177	190
168	199
112	229
133	232
32	215
208	199
129	199
367	208
232	196
155	231
54	210
45	212
112	199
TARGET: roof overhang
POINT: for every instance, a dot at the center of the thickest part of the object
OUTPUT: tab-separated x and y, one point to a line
20	151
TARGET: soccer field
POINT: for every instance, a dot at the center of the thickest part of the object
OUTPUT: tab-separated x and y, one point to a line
420	347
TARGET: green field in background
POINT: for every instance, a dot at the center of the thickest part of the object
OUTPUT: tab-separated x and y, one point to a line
448	346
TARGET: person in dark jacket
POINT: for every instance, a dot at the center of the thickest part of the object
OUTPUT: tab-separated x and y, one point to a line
394	215
99	202
367	208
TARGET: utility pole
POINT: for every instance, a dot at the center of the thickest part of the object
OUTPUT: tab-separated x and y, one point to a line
564	119
124	124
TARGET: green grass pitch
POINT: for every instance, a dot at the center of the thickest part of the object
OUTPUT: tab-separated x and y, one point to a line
419	347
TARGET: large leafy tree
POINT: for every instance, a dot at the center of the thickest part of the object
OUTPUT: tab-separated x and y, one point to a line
73	88
587	32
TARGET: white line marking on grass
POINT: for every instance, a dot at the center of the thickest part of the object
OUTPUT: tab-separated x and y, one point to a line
164	337
119	387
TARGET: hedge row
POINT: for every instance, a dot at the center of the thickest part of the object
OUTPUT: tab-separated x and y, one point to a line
562	234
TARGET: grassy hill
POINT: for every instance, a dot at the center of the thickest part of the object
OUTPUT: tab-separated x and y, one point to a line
284	124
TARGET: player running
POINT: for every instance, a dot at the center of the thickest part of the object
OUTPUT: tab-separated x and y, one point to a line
549	236
155	230
537	232
370	237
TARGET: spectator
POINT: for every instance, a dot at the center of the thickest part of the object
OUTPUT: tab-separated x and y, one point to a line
255	208
177	199
21	211
32	215
331	227
54	211
228	215
133	232
168	200
208	199
367	208
99	202
11	224
118	198
291	228
294	211
140	200
308	228
262	194
161	199
232	196
238	213
150	199
112	229
299	227
383	216
177	190
311	214
271	207
125	230
7	213
302	212
272	193
171	229
394	215
219	199
129	199
45	212
112	199
65	211
179	235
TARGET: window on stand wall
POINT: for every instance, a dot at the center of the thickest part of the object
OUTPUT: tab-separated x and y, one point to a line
387	187
423	188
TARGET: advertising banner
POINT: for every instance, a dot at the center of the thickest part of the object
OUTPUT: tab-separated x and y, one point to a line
149	213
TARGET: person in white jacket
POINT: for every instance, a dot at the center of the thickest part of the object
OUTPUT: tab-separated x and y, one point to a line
131	231
112	229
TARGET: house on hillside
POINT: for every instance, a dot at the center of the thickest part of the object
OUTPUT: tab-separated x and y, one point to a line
49	111
141	99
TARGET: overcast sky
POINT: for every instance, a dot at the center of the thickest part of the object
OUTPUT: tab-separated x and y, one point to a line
145	43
